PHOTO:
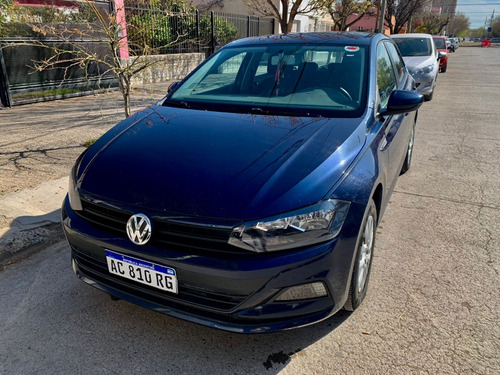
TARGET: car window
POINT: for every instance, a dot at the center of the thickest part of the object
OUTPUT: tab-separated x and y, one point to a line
440	43
224	75
414	46
396	60
386	82
306	80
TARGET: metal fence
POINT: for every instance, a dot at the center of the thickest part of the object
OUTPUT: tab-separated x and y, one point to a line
20	83
23	84
166	31
149	31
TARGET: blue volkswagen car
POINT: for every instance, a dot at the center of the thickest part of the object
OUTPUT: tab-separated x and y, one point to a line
248	198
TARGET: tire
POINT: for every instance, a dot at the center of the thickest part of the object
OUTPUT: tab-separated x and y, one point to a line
364	257
443	69
409	152
428	98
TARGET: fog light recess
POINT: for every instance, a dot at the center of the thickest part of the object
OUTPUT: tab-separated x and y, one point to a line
75	267
305	291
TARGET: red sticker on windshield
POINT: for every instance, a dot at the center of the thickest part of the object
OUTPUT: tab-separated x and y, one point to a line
351	48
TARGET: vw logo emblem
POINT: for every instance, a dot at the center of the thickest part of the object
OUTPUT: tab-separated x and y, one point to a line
139	229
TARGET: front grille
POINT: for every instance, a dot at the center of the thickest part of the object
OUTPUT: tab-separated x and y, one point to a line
188	296
105	218
167	233
192	237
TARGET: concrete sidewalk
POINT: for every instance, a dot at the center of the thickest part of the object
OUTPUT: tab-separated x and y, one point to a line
32	218
38	146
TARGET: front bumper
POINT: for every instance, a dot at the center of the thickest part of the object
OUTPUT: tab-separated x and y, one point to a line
234	292
425	83
443	62
426	88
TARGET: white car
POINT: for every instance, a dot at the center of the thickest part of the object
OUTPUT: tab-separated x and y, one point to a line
422	60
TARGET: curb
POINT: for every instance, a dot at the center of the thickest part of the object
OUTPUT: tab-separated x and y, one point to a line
50	234
30	220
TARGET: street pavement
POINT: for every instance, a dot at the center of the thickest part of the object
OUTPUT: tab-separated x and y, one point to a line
38	146
433	306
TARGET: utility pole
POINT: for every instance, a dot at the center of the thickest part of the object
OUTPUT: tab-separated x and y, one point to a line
484	29
382	16
491	24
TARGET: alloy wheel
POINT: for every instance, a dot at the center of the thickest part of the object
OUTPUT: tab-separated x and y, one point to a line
365	253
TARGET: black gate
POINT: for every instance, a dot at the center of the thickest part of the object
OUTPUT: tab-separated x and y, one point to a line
179	32
22	84
5	97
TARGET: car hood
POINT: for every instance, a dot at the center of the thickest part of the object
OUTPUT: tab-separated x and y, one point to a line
220	165
418	62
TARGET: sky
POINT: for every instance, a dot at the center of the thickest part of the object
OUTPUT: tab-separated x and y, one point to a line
478	10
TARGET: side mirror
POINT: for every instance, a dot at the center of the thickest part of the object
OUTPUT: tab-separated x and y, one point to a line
441	55
172	86
402	101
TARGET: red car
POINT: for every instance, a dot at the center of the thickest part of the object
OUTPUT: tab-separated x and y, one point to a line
441	46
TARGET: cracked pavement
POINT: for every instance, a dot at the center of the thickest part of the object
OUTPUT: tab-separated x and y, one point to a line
433	306
41	141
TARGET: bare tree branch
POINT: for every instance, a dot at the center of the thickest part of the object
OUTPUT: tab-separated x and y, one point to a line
69	48
341	10
400	12
289	10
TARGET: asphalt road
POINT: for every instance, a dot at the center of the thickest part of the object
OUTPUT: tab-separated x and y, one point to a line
434	301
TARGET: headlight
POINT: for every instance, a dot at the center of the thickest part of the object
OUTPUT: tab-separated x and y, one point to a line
74	197
420	71
427	69
313	224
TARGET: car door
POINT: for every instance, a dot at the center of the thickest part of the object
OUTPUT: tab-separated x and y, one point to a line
390	76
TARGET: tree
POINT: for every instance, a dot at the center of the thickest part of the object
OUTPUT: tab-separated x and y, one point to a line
341	10
477	33
495	27
399	13
286	15
15	19
165	16
432	23
4	6
77	37
459	23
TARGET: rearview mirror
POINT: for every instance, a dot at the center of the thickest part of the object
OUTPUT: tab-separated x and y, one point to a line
441	55
402	101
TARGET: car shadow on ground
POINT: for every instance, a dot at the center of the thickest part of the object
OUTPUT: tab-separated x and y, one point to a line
184	347
80	327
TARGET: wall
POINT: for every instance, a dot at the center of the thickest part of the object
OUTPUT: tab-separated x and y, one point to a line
168	67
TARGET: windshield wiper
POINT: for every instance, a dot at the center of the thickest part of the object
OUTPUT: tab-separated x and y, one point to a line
182	104
259	110
280	112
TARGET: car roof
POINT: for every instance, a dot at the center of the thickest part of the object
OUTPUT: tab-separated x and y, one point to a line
332	37
439	36
411	35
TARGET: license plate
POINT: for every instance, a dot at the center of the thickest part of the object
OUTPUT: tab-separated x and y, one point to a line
143	272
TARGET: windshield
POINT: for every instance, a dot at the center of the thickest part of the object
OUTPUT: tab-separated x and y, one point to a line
301	80
414	46
440	43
